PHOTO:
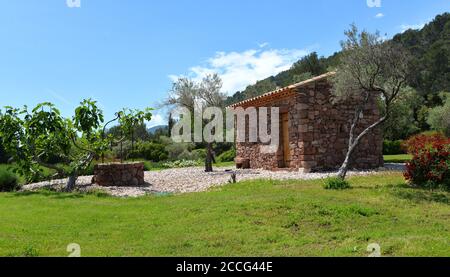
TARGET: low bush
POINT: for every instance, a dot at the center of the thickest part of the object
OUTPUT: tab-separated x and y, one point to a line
89	170
430	165
4	157
122	150
179	151
393	147
227	156
336	183
8	180
198	154
150	151
193	155
181	163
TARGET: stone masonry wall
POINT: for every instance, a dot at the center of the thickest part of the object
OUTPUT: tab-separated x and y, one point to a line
318	133
119	174
323	130
252	151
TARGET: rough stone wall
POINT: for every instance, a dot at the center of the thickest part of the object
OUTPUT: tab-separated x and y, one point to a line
323	130
119	174
252	151
318	133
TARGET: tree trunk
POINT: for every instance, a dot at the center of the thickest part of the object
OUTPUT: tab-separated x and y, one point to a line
132	141
344	168
71	182
353	143
132	146
209	158
121	148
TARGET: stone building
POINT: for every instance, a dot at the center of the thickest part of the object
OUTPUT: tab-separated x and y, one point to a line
314	131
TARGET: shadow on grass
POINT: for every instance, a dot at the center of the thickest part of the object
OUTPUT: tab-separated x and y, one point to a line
399	185
48	193
419	195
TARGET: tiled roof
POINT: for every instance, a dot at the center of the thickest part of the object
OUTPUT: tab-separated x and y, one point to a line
281	90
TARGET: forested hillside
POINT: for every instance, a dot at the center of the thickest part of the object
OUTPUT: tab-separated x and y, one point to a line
430	48
309	66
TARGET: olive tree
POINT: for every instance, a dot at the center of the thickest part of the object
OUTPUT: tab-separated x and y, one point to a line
210	96
369	68
439	117
196	97
31	136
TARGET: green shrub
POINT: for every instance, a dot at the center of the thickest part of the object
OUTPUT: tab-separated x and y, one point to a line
336	183
227	156
179	151
393	147
4	157
199	154
122	150
181	163
149	151
430	165
89	170
439	117
8	180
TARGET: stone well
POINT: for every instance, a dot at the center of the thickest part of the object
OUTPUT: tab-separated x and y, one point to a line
119	174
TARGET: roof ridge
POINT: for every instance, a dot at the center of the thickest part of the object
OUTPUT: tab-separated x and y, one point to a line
296	85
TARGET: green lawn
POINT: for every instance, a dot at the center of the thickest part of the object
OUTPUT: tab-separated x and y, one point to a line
255	218
22	180
156	166
402	158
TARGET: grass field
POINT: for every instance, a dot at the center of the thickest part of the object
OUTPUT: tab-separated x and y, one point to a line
152	166
254	218
402	158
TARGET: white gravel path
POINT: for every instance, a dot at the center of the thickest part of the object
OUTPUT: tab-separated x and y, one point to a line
193	179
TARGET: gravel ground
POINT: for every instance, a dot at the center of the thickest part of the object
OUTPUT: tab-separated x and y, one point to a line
193	179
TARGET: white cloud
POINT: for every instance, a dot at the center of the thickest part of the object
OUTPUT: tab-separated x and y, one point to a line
379	15
157	120
262	45
374	3
240	69
405	27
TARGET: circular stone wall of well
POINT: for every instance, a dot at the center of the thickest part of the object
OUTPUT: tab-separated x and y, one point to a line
119	174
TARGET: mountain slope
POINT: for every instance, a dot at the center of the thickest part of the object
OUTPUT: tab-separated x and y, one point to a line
430	47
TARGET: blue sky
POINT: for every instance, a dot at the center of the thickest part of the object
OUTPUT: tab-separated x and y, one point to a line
125	53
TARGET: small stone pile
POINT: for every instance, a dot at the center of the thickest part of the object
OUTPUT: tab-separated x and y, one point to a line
119	174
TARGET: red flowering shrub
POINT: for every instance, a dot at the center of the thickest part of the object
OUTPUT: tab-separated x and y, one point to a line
430	165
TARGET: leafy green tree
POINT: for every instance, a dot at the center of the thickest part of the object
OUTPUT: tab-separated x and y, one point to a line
402	122
131	126
370	68
3	156
430	70
430	48
190	95
311	64
439	117
28	136
130	121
